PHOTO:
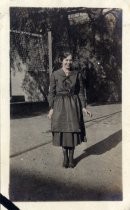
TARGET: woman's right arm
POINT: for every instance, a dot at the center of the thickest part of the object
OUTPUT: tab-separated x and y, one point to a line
52	93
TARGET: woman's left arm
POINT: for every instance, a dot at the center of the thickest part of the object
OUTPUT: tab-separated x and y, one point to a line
82	97
81	91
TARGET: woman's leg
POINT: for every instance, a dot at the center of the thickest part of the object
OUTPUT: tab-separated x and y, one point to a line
66	158
71	157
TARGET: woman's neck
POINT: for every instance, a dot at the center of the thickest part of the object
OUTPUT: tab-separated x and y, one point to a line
67	71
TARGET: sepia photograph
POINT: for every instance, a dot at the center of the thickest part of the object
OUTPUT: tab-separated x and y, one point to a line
65	104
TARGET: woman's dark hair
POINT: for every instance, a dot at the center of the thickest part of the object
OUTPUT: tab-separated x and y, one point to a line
64	55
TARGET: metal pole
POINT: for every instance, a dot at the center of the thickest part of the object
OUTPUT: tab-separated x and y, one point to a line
50	51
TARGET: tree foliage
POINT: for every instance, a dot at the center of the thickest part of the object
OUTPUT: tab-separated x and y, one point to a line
93	35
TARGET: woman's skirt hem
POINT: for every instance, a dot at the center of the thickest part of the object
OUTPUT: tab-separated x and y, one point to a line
67	139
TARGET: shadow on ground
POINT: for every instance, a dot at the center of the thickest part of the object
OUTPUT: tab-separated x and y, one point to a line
102	146
25	186
104	103
28	109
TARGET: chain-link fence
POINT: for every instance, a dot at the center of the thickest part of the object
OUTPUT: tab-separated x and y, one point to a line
29	67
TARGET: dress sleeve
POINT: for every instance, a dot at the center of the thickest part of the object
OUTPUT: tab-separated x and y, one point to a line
52	91
81	91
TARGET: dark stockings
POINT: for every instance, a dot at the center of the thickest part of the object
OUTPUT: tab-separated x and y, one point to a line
71	157
66	158
71	154
68	153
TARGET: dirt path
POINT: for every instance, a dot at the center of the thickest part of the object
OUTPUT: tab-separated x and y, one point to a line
36	165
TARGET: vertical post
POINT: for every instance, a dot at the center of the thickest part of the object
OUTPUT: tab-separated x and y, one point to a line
50	50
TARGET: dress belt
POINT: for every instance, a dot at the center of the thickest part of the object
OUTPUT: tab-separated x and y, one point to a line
66	94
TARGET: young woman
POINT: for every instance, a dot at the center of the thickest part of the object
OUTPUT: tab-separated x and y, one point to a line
67	104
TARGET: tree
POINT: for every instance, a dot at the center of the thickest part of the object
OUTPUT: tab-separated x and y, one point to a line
93	35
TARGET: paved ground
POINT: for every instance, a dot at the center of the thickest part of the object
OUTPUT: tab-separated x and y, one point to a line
36	172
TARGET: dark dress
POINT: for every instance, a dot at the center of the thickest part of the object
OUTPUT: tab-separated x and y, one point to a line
66	97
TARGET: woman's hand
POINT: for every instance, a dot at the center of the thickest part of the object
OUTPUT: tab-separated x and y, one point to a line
86	111
50	114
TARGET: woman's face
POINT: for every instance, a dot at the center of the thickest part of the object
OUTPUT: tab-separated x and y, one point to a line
67	62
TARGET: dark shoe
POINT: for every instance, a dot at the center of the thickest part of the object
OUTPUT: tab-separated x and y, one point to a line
71	165
66	164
